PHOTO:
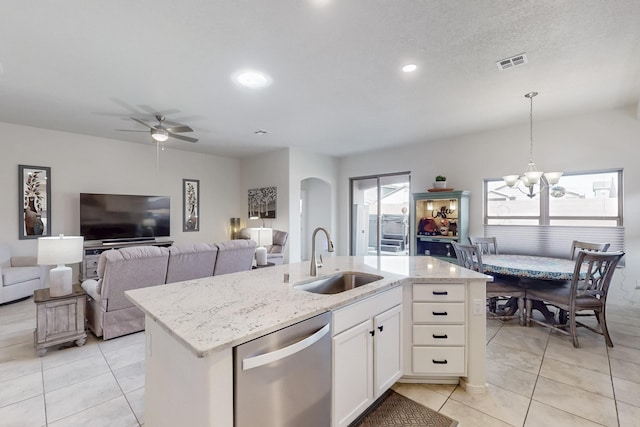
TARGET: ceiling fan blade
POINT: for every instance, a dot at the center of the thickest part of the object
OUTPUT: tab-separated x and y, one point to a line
131	130
183	138
178	129
142	122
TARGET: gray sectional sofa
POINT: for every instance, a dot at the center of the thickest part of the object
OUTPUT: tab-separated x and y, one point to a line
110	314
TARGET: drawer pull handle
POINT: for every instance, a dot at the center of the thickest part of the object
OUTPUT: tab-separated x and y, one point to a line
440	293
439	313
439	362
440	336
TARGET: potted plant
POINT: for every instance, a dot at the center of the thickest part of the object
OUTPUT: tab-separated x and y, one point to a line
441	182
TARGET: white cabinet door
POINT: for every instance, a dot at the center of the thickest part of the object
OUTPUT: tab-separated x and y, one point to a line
352	372
387	355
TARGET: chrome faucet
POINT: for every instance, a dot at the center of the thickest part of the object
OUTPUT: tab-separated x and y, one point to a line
314	261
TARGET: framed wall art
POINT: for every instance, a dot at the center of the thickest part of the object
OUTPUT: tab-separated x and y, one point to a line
262	202
34	201
190	205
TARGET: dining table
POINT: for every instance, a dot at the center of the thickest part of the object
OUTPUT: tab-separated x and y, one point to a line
532	270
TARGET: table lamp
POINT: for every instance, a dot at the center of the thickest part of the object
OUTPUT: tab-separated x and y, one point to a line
59	251
263	237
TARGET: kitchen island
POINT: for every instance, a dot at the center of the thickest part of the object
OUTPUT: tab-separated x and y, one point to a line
193	326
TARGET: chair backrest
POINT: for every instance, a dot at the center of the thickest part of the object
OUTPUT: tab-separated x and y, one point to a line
593	273
191	261
469	256
134	267
279	242
577	246
244	234
488	245
234	256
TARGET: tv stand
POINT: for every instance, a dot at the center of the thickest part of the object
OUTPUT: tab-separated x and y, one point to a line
92	251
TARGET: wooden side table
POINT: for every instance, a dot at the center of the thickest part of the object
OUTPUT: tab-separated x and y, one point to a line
59	319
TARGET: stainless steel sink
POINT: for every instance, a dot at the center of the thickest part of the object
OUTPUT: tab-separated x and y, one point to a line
337	283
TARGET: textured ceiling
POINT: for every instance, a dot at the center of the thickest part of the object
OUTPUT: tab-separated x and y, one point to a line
86	66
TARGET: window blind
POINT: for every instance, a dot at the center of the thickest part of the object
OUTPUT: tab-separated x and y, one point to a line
553	241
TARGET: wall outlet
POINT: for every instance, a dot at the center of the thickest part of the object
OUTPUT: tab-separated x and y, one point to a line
479	306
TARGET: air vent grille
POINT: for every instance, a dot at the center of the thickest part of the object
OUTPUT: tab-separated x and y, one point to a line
514	61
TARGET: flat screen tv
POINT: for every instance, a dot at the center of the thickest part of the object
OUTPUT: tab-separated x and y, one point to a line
124	217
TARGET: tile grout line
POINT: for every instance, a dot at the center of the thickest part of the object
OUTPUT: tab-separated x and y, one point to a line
119	386
613	387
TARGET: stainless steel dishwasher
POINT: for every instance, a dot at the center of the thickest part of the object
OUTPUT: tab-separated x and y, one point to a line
284	379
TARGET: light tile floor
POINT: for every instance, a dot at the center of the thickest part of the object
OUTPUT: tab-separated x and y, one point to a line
535	378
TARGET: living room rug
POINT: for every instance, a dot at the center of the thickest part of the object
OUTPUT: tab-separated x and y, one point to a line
395	410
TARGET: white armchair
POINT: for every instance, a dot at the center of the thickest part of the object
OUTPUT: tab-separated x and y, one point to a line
19	276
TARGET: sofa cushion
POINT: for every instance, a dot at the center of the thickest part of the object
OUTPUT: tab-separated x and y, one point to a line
193	261
15	275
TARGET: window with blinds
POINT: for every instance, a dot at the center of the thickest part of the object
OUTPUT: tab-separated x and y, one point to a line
585	206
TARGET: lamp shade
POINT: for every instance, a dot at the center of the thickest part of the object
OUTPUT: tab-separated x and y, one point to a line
262	236
60	250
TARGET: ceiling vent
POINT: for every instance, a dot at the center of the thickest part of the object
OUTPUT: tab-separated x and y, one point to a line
514	61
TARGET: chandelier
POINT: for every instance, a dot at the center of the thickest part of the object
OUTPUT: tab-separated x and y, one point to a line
532	176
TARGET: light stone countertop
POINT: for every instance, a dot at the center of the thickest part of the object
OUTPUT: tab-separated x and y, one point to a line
214	313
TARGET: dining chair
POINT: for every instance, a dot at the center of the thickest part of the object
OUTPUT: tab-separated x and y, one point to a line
488	245
586	246
470	256
586	293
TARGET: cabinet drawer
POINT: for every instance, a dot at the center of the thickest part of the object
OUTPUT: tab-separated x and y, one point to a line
438	292
435	312
91	272
439	360
445	335
358	312
91	260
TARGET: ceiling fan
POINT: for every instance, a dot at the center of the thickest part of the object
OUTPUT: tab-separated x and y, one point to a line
160	132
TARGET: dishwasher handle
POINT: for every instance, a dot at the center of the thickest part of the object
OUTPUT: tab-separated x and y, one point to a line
264	359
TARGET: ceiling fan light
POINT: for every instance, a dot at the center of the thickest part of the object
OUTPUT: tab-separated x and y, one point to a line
160	135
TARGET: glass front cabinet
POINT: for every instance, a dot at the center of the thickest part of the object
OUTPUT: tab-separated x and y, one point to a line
439	218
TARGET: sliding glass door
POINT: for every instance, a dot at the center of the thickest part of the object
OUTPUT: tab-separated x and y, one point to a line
380	214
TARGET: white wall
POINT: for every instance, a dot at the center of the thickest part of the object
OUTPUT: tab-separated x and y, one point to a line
602	140
86	164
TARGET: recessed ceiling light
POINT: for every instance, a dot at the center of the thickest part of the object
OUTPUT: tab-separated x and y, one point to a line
409	68
252	79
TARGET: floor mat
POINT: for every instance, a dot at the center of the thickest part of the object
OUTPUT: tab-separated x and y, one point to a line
396	410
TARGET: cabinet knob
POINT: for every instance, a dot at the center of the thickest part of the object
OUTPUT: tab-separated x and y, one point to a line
380	328
372	332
